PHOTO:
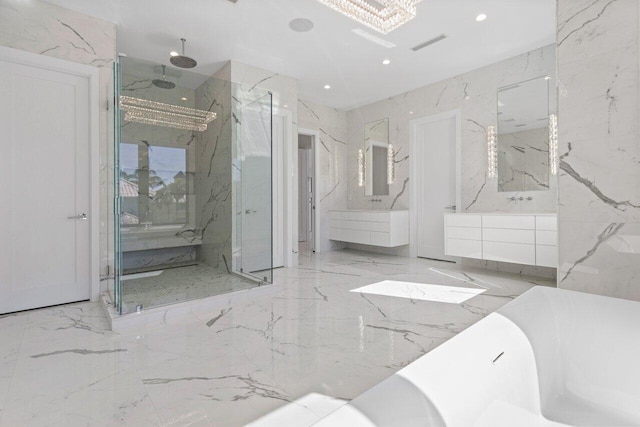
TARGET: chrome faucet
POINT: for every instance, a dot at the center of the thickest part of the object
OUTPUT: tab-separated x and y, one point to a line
513	199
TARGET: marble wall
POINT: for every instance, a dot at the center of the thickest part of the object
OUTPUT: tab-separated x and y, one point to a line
599	191
213	172
523	160
43	28
219	148
474	93
331	125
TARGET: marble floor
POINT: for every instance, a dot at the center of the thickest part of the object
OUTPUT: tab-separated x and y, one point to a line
179	284
286	357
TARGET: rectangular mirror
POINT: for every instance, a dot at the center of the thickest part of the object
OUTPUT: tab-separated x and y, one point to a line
523	136
376	145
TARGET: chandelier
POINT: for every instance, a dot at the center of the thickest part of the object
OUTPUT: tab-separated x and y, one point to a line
381	15
167	115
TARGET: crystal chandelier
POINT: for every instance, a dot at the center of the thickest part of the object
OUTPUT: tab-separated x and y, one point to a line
360	168
166	115
390	165
553	144
381	15
492	152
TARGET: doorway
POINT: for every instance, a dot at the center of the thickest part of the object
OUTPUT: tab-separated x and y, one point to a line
306	194
435	157
48	218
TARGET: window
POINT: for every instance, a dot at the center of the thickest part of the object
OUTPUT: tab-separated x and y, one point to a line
153	185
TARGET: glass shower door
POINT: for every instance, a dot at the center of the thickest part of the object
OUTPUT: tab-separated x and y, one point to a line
254	230
117	205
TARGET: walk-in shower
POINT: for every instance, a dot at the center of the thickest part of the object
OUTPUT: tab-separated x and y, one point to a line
192	186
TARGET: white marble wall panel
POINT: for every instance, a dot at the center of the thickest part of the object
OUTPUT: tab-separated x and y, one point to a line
331	125
251	83
213	172
599	209
474	93
231	88
43	28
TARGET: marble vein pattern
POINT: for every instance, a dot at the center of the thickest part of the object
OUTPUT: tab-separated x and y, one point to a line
213	172
475	95
43	28
331	125
286	354
599	204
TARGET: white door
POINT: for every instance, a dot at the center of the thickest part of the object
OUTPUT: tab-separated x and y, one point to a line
262	232
435	183
278	129
305	199
44	185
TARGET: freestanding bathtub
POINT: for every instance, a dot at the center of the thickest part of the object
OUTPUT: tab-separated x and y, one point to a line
549	358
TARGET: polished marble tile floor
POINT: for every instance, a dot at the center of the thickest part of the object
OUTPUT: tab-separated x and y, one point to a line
285	357
179	284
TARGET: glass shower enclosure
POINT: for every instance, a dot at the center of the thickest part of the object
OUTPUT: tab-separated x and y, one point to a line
192	186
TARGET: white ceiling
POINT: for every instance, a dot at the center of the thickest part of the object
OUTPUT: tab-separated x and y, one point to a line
256	32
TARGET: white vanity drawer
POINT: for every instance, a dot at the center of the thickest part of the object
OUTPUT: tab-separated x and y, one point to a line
508	235
509	252
355	216
463	220
335	215
464	248
349	225
549	238
379	216
382	227
465	233
522	222
380	239
354	236
547	256
546	223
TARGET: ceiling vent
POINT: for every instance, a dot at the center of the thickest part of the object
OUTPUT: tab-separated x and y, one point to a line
429	42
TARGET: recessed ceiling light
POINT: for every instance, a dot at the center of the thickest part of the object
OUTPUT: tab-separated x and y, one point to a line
481	17
386	62
285	106
301	25
174	53
183	98
410	112
327	87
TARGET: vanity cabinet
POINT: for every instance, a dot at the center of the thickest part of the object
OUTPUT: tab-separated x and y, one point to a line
520	239
376	228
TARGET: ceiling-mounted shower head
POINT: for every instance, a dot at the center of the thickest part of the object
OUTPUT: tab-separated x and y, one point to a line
164	83
183	61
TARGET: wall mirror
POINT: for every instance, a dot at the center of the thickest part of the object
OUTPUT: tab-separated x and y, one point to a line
523	136
376	145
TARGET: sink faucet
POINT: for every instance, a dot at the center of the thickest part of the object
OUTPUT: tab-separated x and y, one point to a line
513	199
376	200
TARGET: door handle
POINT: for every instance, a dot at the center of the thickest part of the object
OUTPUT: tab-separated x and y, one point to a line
451	208
81	217
250	211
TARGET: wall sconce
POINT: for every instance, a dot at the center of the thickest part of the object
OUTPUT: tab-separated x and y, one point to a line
360	168
492	152
553	144
390	165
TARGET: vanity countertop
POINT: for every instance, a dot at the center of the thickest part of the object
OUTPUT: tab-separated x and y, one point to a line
505	213
368	210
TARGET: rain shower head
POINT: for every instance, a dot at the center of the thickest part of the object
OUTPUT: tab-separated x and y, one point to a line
183	61
164	83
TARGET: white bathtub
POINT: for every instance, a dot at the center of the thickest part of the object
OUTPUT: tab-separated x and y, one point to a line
549	358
